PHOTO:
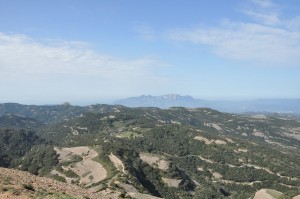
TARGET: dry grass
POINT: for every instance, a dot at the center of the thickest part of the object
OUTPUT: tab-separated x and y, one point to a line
117	162
258	133
242	150
171	182
267	194
155	161
209	141
89	170
217	175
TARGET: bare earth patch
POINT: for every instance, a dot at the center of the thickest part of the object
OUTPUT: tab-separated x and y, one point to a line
155	161
206	160
263	194
258	133
230	140
64	154
117	162
200	169
242	150
293	133
89	170
259	116
220	142
208	141
171	182
214	125
216	175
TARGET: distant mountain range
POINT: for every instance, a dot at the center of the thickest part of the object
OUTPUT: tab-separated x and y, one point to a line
288	106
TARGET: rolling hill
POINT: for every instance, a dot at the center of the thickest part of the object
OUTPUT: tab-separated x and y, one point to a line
164	153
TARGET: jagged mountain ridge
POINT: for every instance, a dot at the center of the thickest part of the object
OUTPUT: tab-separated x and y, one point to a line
238	106
164	101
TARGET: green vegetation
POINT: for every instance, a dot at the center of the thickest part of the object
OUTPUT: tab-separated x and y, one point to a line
74	159
28	187
290	194
104	160
16	121
39	160
40	194
69	173
129	134
15	143
274	193
11	189
58	178
244	154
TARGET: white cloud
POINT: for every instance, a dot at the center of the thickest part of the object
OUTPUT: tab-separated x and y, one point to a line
145	32
269	43
265	18
263	11
20	54
264	3
39	69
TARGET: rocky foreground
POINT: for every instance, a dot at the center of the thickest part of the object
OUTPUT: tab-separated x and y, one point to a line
22	185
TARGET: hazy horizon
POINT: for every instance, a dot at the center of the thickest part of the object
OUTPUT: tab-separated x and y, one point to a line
113	101
102	51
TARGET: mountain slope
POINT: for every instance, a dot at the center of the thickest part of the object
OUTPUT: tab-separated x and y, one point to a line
202	148
174	153
51	113
19	184
14	143
16	121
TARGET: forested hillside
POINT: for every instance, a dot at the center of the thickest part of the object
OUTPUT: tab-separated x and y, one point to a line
169	153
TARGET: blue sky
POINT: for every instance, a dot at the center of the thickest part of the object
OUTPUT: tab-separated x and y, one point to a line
97	51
